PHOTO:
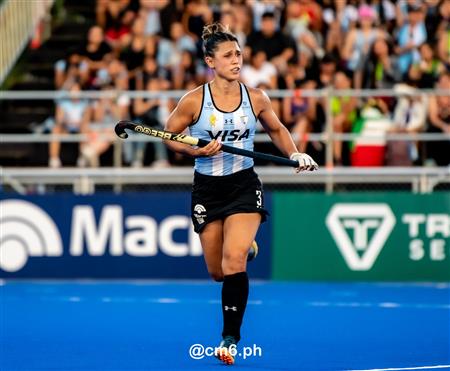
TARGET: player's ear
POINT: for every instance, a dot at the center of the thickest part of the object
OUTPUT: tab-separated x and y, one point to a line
209	62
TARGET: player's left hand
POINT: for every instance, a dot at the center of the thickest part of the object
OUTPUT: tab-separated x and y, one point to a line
306	163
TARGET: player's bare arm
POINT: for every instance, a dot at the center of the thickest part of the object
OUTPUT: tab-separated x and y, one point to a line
185	113
272	125
278	132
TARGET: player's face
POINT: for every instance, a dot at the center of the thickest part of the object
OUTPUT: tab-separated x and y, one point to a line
227	60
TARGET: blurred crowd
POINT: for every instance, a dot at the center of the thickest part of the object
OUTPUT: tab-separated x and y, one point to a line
295	44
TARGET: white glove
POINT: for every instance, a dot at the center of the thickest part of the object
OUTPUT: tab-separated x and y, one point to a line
305	162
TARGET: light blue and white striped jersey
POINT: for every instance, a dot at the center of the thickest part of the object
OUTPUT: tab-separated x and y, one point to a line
235	129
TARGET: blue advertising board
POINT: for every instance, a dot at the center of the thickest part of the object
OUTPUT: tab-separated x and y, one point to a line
131	235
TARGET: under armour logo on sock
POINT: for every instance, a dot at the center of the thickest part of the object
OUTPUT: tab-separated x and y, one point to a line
234	309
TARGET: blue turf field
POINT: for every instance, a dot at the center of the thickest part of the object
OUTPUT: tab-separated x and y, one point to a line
150	325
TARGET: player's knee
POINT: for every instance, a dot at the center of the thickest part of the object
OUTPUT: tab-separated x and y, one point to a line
235	256
234	261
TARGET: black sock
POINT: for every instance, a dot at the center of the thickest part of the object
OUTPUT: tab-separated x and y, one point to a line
234	301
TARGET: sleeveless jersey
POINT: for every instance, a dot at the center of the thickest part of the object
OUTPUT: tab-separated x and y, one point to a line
235	129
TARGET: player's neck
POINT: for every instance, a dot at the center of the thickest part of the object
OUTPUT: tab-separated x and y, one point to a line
225	87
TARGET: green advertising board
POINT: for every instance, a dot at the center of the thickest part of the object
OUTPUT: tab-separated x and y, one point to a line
361	236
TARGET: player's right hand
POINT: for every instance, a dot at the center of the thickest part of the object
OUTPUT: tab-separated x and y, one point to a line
211	149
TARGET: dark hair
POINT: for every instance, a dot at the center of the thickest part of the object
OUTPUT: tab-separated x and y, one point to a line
328	58
214	34
268	15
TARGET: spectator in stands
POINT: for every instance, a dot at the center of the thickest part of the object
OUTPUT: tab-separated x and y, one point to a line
133	49
327	69
185	71
386	14
230	17
149	70
260	7
433	19
150	12
66	71
409	117
339	17
116	18
259	71
96	52
381	70
278	47
402	8
179	45
72	117
358	43
150	112
196	15
442	34
159	41
343	110
304	68
439	122
410	36
243	19
303	115
115	73
180	42
303	23
429	67
106	112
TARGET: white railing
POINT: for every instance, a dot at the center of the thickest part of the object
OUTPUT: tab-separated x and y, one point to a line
18	19
327	137
176	94
84	181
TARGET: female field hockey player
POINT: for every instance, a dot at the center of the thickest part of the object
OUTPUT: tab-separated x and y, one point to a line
227	196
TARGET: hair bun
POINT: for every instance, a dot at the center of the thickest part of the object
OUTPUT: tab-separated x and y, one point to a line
210	29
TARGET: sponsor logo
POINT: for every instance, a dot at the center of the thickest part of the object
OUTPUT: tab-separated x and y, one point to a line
200	213
360	231
429	234
26	230
227	308
229	135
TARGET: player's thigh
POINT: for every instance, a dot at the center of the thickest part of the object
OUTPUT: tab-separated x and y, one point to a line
211	238
239	231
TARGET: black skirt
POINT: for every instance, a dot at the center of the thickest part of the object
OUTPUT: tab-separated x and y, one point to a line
216	197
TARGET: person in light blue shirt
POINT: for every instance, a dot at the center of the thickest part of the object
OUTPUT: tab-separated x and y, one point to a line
409	38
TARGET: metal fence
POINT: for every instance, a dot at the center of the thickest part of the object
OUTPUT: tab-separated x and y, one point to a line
88	181
117	178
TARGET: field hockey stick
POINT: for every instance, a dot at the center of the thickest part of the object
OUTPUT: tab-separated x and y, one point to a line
186	139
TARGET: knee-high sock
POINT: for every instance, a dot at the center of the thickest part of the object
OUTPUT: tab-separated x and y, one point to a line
234	301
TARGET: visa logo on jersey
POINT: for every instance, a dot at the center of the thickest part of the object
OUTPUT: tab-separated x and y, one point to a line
229	135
